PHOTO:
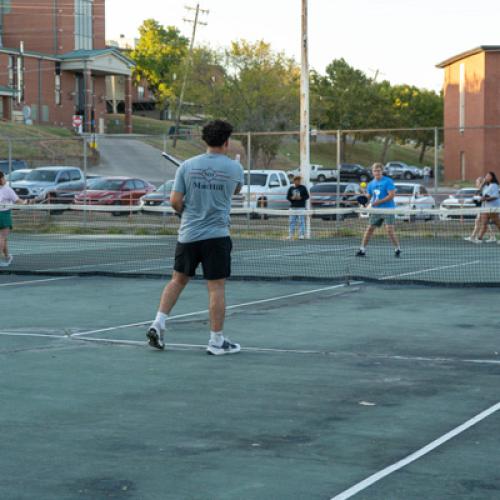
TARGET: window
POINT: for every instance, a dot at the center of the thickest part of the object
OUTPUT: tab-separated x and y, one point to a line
139	185
461	103
75	175
83	25
283	179
63	177
57	83
12	71
273	180
129	186
423	191
462	165
140	92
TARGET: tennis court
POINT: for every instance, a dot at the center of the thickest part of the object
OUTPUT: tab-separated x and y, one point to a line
355	380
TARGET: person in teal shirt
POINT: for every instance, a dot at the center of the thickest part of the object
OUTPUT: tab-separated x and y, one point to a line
380	192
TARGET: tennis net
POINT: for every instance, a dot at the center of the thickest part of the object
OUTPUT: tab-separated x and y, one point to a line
140	241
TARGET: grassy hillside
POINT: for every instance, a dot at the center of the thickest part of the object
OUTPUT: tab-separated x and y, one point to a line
361	152
42	145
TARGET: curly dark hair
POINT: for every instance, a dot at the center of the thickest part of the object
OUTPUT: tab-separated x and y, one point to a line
216	133
2	175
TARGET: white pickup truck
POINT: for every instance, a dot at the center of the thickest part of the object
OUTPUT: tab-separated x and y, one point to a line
266	189
318	173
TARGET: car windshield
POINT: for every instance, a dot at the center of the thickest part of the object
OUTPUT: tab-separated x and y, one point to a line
256	179
465	192
166	187
42	176
107	185
17	176
408	190
326	189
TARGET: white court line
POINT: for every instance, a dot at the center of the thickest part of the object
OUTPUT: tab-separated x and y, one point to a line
99	264
17	283
429	270
299	351
15	334
228	308
416	455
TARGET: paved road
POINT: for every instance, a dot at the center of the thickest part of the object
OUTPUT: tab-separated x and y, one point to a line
132	157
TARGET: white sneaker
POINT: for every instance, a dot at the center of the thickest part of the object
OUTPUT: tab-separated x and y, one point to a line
491	240
477	241
468	238
6	261
155	337
10	258
227	347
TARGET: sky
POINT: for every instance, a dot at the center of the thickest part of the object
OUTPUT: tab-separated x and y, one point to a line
400	40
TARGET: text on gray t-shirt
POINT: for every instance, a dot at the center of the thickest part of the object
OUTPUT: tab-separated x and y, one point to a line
208	182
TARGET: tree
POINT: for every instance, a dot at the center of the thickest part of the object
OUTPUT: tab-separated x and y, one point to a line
158	56
417	108
253	87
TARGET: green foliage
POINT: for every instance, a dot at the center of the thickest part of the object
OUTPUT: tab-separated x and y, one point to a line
252	87
159	55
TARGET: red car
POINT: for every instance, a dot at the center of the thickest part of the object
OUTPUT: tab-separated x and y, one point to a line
115	191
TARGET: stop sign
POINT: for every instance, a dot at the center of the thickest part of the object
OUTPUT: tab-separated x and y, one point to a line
77	121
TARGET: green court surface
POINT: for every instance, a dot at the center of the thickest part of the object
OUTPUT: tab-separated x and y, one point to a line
335	387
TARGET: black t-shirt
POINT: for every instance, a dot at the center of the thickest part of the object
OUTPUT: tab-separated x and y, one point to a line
297	196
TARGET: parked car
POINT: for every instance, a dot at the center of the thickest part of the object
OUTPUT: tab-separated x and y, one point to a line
266	189
18	175
413	196
318	173
324	195
68	196
123	191
400	170
353	171
159	197
15	165
44	183
463	198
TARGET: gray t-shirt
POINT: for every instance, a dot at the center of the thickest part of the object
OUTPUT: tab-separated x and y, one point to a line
208	182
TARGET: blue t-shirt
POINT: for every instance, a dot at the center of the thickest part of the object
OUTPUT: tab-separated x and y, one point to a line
378	190
208	182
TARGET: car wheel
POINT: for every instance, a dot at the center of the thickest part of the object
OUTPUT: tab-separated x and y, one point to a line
118	214
407	176
321	178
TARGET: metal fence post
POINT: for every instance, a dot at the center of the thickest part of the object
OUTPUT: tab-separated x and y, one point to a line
436	159
10	159
85	165
249	167
339	140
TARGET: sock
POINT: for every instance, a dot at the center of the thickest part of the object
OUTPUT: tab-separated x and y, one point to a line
160	319
217	338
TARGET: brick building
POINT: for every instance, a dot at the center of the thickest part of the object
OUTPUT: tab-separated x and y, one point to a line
55	62
472	113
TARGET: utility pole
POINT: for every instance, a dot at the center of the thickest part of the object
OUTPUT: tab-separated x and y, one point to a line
305	160
195	23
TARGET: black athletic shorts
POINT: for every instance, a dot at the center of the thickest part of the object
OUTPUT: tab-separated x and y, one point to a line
214	256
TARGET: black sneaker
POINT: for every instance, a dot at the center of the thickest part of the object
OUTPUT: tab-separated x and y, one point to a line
227	347
155	337
397	253
360	253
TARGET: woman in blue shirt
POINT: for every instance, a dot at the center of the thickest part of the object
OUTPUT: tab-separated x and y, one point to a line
381	192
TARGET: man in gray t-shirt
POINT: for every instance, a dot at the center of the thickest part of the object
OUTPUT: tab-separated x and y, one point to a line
203	188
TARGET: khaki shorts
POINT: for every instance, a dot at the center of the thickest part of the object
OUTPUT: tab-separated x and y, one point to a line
377	220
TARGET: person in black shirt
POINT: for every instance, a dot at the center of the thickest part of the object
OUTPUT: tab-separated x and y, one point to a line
297	196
